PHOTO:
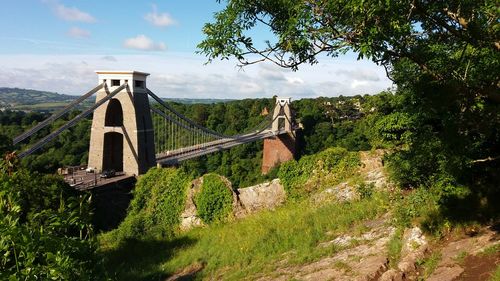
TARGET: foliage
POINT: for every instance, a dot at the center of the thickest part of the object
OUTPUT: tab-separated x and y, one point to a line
365	190
214	202
429	264
159	198
394	248
443	56
254	245
463	33
396	127
419	204
46	230
317	171
68	149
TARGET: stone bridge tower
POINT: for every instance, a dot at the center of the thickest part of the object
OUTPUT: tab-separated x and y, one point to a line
122	135
281	147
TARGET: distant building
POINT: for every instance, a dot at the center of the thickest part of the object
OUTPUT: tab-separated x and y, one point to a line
264	112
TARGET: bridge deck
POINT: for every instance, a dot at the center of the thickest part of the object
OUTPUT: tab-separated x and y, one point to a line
175	156
83	180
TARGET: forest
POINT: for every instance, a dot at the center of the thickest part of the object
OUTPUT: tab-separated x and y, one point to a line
346	121
440	130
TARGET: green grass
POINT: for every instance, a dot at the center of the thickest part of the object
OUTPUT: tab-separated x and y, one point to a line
40	105
491	250
241	248
460	258
394	246
495	276
429	264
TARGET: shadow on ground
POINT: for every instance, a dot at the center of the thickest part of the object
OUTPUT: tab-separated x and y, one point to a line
141	259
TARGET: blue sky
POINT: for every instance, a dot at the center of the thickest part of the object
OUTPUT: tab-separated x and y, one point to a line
56	45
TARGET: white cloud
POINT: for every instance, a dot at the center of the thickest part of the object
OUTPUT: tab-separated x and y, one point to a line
64	78
142	42
359	74
181	75
157	19
272	74
294	80
356	83
77	32
70	13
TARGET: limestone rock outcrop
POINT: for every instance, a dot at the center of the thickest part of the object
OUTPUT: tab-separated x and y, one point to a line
267	195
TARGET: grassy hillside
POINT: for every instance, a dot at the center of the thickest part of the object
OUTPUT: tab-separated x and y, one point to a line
243	248
12	97
27	100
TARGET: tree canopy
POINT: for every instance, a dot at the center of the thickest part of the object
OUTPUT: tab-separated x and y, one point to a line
447	40
444	57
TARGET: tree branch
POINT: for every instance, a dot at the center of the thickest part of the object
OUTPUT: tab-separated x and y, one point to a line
487	159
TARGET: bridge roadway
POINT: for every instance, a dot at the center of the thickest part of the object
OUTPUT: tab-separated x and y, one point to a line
174	157
82	180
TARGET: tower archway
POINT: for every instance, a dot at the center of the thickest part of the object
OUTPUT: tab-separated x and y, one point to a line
114	114
112	157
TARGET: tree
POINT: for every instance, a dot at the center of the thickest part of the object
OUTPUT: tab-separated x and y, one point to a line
444	56
447	47
426	33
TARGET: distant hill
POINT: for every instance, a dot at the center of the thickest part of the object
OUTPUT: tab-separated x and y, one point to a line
29	100
197	101
12	97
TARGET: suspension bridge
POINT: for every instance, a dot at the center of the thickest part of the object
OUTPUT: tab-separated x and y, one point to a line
131	135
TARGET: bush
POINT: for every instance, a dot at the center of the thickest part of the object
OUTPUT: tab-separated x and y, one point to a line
317	171
45	230
420	203
159	199
365	190
215	200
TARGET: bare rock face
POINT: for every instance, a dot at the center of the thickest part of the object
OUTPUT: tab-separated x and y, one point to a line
391	275
267	195
372	168
189	217
446	273
361	257
414	248
341	192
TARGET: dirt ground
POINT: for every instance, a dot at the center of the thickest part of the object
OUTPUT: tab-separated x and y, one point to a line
472	257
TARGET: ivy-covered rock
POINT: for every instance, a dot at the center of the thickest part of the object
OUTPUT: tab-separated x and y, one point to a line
159	199
317	171
214	202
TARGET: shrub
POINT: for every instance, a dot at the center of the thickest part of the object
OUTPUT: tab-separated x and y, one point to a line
420	203
159	199
365	190
317	171
215	200
45	230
